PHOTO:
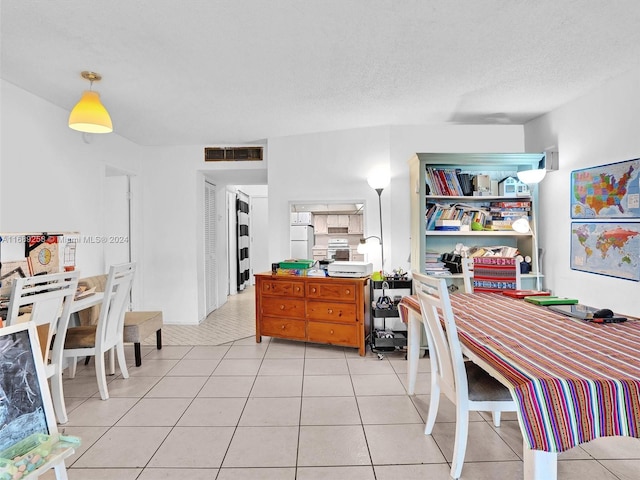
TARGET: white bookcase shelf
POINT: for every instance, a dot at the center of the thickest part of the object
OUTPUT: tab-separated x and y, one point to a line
498	166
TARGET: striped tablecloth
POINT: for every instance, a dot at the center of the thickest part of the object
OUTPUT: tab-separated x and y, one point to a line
573	381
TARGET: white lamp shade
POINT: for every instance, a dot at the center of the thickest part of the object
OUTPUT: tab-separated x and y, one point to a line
531	177
365	247
89	115
521	225
378	179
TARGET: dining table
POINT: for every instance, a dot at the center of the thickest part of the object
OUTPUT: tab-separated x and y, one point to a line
87	301
573	380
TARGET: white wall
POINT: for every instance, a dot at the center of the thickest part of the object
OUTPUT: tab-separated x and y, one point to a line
173	182
52	180
325	166
334	167
599	128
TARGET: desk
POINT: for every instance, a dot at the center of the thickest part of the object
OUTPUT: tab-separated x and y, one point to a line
573	381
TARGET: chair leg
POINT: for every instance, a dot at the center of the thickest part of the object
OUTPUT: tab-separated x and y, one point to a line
86	360
72	363
159	339
122	363
434	403
138	353
57	396
101	376
112	361
460	445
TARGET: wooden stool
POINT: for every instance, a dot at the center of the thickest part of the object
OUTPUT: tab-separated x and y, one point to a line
138	326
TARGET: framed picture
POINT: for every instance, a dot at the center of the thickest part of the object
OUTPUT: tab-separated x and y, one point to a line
606	191
606	248
26	407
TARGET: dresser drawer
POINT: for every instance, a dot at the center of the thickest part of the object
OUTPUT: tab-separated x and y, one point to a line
333	333
283	307
330	291
337	312
283	328
283	288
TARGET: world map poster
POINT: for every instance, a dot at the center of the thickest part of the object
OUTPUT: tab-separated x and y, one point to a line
606	248
607	191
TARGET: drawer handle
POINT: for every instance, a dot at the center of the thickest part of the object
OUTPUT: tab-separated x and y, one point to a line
282	308
331	332
330	311
313	289
297	289
267	286
282	327
347	291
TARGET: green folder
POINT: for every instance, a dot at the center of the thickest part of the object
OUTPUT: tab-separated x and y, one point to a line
538	300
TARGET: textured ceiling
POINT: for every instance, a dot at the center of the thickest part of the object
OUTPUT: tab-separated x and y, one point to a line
203	72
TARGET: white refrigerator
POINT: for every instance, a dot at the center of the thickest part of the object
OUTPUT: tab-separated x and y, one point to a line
302	242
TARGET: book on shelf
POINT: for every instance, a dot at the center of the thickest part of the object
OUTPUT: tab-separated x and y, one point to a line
443	181
459	212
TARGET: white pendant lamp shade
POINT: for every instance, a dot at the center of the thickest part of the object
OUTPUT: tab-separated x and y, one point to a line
89	115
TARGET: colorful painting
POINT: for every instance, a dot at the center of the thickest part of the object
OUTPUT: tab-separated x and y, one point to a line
607	191
606	248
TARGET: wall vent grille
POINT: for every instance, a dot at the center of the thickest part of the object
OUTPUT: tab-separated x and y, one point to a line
233	154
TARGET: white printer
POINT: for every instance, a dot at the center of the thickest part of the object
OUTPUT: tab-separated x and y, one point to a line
349	269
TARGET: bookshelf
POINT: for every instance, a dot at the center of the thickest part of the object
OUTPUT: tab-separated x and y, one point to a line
425	171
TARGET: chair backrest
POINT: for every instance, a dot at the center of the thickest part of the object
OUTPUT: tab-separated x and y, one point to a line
435	306
50	297
116	297
467	274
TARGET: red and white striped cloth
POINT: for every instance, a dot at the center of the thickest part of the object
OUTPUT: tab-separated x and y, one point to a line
573	381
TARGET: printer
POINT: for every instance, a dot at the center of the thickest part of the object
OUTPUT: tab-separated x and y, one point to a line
349	269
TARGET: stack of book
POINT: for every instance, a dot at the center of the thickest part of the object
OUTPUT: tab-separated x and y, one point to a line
295	267
433	265
504	213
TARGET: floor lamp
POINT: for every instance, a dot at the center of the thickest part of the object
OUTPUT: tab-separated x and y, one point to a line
378	182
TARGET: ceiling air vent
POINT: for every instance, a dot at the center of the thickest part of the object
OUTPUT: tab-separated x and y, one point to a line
233	154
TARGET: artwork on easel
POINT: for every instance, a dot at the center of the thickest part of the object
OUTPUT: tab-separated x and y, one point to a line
23	409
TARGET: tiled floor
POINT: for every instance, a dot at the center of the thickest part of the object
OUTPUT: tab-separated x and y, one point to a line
233	320
286	410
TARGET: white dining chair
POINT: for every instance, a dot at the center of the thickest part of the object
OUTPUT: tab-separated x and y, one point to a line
467	274
107	334
464	383
47	299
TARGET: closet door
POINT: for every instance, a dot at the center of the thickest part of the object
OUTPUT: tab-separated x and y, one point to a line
210	267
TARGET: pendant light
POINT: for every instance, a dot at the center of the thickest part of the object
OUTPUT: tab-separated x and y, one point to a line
89	115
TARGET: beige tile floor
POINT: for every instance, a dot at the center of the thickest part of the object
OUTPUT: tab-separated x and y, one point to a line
288	410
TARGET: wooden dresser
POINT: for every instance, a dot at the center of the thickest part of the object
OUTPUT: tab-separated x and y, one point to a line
327	310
